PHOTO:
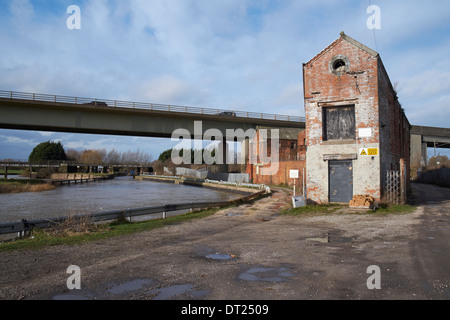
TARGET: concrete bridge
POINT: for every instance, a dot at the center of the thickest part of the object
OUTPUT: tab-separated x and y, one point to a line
32	111
71	166
427	137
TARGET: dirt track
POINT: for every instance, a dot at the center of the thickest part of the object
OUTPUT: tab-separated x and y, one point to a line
252	252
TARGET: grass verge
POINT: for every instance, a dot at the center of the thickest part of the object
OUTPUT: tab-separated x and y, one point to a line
313	209
45	238
324	209
24	185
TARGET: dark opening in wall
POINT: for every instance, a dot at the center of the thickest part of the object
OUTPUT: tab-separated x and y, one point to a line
339	65
339	123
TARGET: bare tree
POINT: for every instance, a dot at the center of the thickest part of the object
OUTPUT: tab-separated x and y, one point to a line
73	155
93	156
113	157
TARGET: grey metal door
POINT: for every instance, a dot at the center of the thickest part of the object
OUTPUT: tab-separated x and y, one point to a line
340	181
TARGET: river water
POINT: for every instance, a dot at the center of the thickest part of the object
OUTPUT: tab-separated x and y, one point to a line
94	197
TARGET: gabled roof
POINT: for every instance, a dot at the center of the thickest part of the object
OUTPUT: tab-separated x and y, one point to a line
348	39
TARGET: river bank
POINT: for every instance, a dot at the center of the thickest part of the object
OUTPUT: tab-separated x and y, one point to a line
239	188
120	193
24	186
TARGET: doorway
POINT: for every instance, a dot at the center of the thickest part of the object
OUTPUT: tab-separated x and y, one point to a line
340	181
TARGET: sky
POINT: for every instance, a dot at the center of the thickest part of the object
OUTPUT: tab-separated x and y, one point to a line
227	54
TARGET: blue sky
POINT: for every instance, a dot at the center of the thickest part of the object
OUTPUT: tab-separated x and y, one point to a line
234	54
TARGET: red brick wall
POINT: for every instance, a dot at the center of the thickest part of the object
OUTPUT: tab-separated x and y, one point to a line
360	82
282	176
290	159
365	84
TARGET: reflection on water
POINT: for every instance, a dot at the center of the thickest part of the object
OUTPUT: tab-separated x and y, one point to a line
120	193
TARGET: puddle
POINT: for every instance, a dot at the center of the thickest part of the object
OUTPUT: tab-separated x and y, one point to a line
70	297
219	256
171	292
331	237
133	285
266	274
234	214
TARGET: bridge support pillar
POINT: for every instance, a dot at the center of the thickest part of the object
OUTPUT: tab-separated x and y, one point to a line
418	151
245	152
223	152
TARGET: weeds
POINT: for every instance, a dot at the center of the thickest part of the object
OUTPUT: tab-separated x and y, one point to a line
18	186
324	209
313	209
79	231
75	226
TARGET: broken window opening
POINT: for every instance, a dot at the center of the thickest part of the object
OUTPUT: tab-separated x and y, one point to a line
339	123
339	65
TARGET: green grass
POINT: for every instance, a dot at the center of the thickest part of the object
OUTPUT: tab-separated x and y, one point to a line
313	209
21	181
2	171
41	239
324	209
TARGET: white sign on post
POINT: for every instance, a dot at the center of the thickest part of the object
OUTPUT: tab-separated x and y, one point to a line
294	174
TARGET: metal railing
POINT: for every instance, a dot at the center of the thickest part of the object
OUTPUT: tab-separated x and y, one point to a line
20	227
59	163
145	106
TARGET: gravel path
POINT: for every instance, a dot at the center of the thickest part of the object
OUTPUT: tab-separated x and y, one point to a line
253	252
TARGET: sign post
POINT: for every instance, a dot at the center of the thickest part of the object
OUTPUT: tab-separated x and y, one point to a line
293	174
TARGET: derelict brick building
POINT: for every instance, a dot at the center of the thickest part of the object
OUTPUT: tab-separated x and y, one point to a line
356	130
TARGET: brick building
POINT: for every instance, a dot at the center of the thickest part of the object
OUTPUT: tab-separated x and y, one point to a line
292	156
356	130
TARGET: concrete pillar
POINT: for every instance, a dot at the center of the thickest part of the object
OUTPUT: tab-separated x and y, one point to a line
402	181
223	150
424	160
6	172
245	147
416	150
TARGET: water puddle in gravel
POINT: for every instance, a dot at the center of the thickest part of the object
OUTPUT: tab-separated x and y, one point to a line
70	297
219	256
132	285
234	214
266	274
331	237
171	292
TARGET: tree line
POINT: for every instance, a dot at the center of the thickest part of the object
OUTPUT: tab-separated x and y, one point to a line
51	151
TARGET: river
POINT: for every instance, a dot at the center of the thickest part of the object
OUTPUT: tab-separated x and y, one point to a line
93	197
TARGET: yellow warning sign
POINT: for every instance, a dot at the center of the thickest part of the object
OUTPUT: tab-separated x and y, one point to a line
368	152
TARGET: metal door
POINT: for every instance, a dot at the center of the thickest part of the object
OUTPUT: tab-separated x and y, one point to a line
340	181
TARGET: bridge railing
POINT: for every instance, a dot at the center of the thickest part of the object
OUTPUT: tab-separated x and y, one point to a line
144	106
58	163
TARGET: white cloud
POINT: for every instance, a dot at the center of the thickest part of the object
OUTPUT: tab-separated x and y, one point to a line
46	134
16	140
171	90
